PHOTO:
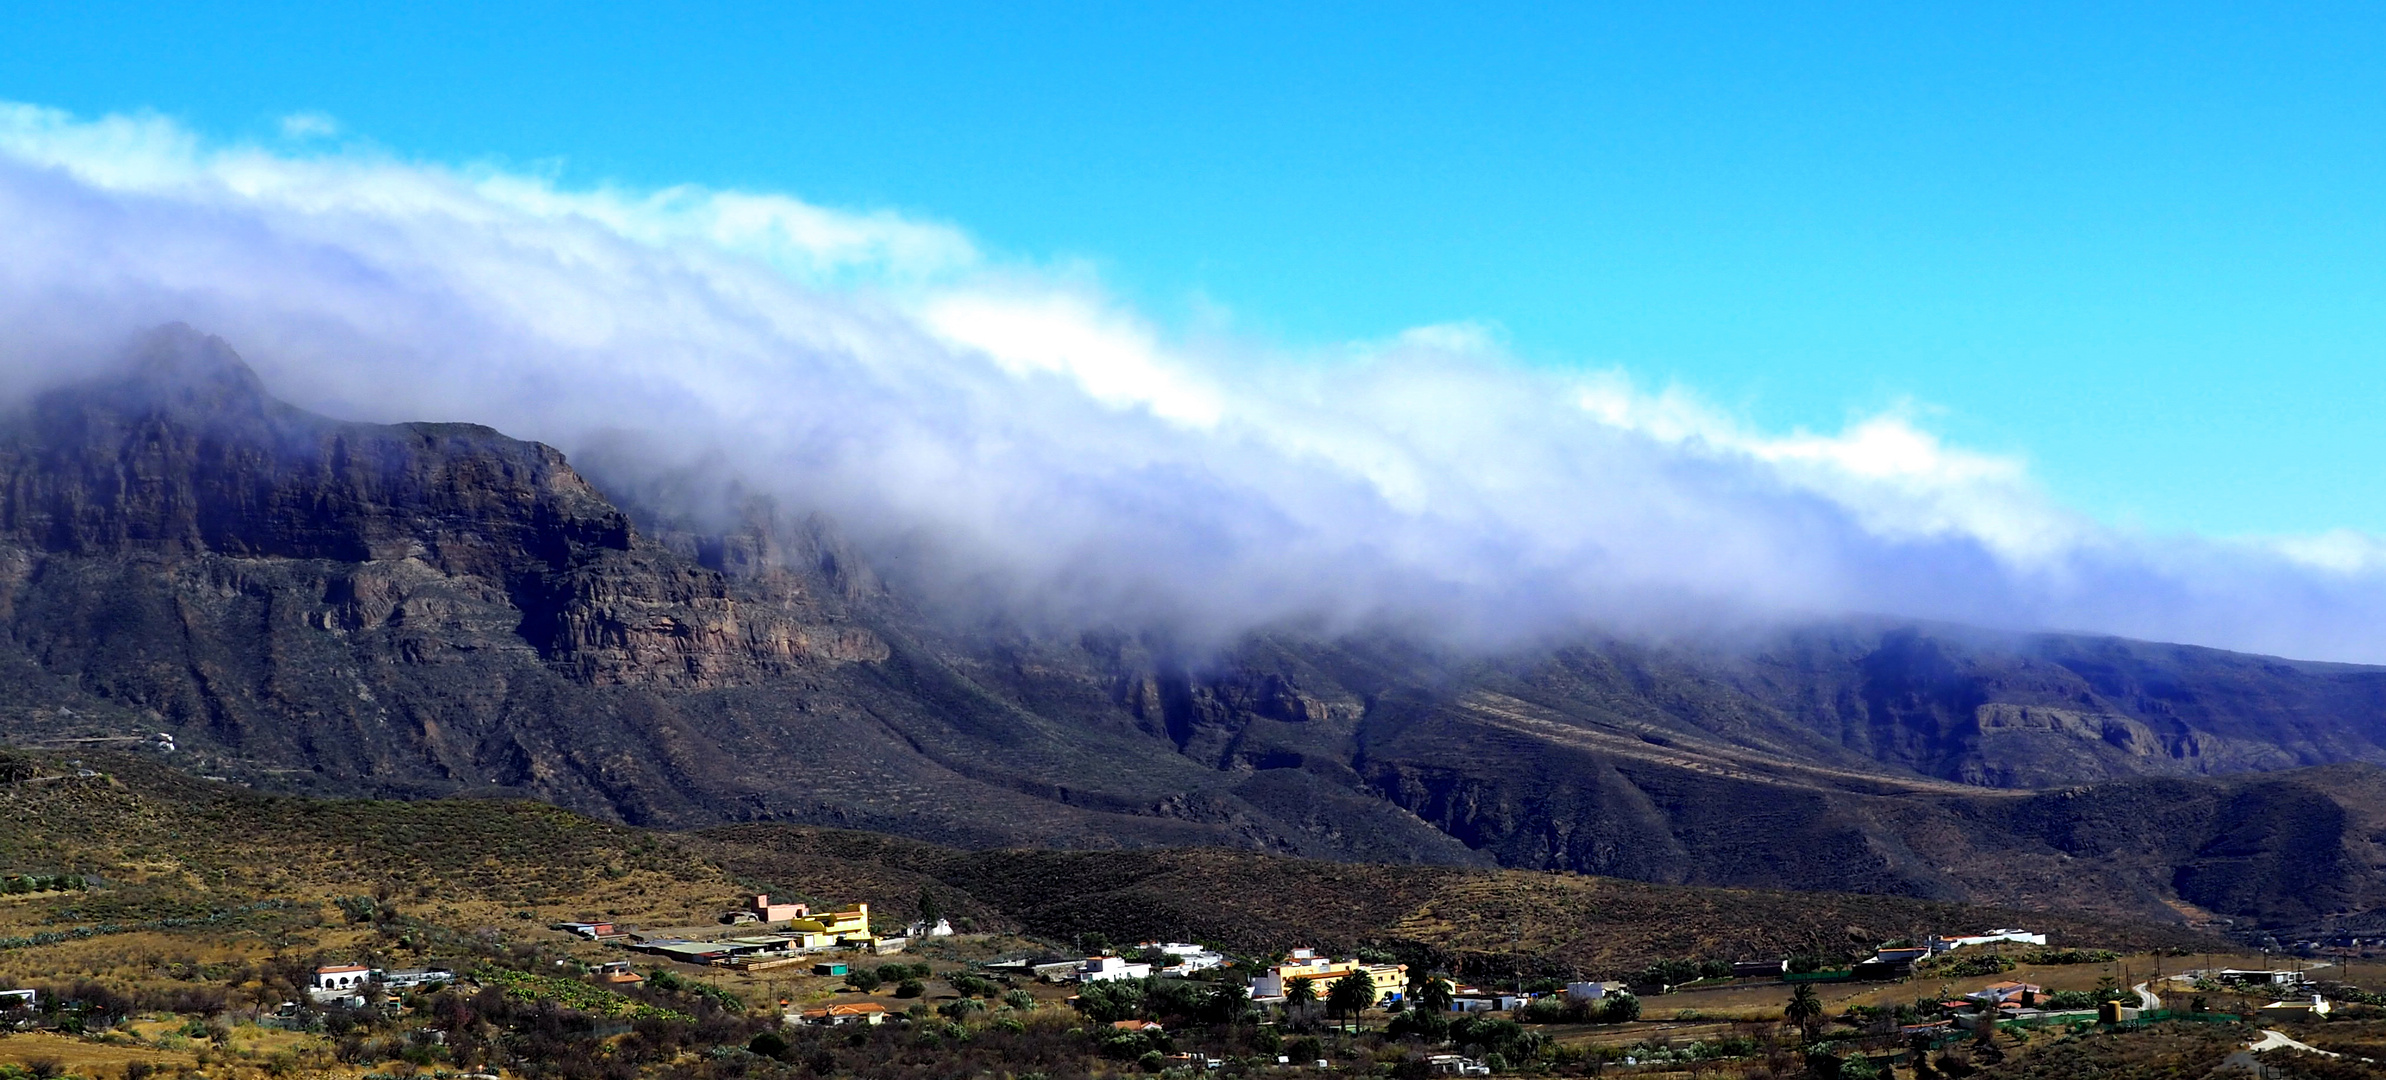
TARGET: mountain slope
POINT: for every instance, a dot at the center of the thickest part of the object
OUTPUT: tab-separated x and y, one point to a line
435	609
157	844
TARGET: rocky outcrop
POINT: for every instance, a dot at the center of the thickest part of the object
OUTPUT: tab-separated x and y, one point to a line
421	524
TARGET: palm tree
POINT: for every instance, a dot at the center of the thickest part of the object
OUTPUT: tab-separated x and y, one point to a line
1299	994
1434	994
1804	1010
1226	1002
1351	994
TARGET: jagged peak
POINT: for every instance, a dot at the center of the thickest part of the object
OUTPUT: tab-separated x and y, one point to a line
179	367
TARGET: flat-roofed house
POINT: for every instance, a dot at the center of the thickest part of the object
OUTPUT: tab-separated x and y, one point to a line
1391	980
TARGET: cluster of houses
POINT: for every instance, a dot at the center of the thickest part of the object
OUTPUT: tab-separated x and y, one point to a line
1182	960
761	936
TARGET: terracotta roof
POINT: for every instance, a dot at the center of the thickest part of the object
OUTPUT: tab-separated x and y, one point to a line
861	1008
335	969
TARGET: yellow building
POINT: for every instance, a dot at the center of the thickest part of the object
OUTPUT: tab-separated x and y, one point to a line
1391	980
853	922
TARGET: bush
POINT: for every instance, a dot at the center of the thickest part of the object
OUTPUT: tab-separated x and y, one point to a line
1669	973
1416	1023
910	988
863	979
959	1009
1974	965
770	1045
2073	956
1544	1011
1619	1009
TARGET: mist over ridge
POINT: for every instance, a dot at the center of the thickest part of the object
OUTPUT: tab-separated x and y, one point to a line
1012	436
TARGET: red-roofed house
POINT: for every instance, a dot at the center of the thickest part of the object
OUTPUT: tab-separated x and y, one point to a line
862	1012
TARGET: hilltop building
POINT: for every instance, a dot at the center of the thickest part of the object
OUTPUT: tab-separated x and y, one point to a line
2015	935
333	982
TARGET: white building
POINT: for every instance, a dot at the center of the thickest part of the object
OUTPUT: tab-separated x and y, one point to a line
2015	935
1592	991
334	981
408	978
2317	1006
1111	969
1187	958
2282	977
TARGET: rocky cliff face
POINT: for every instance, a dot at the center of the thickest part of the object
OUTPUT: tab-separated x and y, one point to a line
429	609
417	533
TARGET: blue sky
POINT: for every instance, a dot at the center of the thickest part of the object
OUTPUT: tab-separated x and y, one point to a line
2139	246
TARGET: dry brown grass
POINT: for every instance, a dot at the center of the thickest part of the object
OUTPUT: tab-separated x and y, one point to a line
463	873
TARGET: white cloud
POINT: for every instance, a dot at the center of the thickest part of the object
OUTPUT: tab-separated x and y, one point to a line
1027	440
309	125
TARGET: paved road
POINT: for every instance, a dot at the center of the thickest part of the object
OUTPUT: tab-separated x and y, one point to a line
2146	998
2270	1040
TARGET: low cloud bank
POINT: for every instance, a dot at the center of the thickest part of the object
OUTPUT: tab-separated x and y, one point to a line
1013	436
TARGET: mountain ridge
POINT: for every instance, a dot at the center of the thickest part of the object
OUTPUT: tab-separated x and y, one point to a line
420	610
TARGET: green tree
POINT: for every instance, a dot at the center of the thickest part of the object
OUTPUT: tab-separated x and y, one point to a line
959	1009
929	912
1619	1009
1226	1002
1299	996
1805	1010
1350	995
1117	999
1435	994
